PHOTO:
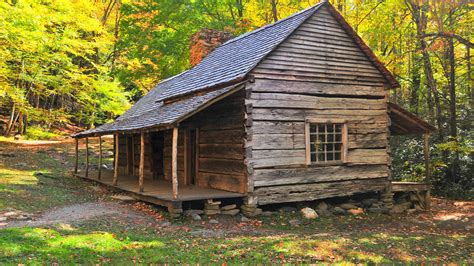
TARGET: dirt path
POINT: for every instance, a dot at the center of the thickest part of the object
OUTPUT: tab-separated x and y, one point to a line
79	213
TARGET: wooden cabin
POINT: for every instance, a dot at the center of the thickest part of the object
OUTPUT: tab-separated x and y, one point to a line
294	111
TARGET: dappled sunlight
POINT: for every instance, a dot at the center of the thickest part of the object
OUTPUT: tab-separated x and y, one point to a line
17	177
51	244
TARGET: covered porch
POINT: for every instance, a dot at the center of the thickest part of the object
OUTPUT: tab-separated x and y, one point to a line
158	192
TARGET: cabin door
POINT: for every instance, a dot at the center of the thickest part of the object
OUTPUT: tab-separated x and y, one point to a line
191	154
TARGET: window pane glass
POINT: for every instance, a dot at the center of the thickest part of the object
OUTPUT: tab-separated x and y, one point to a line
330	156
325	142
321	157
331	138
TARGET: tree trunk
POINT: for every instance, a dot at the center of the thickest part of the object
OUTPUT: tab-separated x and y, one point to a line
419	17
274	11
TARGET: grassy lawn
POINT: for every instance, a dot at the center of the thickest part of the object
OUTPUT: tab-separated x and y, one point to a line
97	243
117	240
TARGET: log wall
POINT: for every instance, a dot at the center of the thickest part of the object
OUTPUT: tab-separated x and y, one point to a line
134	160
220	146
318	72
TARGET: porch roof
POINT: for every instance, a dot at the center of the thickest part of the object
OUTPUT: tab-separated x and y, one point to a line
404	122
162	115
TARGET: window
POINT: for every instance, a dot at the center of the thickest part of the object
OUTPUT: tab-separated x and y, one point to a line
325	141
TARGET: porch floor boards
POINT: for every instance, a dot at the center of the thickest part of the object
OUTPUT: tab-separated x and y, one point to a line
160	190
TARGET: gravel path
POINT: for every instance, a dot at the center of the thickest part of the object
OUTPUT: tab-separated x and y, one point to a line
79	212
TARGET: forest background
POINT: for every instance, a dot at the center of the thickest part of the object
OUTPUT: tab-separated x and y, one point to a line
71	64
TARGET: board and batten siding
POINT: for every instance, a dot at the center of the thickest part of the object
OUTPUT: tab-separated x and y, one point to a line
319	72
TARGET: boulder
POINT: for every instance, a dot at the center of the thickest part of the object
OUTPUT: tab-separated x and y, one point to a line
213	221
324	213
267	213
196	217
309	213
356	211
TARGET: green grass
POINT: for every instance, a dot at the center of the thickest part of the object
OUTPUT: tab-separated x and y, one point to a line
33	181
98	243
39	133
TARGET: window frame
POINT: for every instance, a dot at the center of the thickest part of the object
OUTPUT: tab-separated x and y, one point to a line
344	140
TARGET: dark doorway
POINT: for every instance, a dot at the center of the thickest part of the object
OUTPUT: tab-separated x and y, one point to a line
157	163
191	156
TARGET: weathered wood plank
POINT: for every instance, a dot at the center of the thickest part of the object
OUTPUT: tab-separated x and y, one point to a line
76	151
359	116
367	141
283	100
273	158
221	166
270	127
233	136
308	192
311	78
222	151
278	141
309	88
289	176
368	156
233	183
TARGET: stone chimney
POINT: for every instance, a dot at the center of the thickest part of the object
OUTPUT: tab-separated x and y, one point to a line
205	41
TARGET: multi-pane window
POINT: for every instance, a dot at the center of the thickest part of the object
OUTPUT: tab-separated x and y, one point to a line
326	142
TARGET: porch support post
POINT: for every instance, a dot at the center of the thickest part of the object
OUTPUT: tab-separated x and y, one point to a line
87	157
99	174
174	163
116	166
426	153
141	169
76	162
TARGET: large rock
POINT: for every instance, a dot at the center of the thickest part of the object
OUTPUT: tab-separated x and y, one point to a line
191	212
356	211
309	213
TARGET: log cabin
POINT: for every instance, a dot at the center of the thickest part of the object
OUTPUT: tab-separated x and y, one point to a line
297	110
